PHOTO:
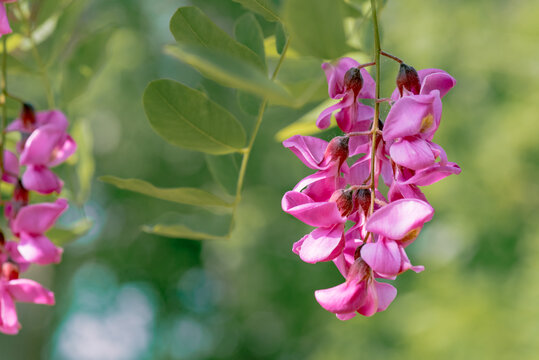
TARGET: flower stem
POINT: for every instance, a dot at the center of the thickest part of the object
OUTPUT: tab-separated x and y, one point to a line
377	51
393	57
3	100
247	151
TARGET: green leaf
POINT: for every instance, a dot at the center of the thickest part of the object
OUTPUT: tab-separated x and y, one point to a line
248	32
190	196
179	232
262	7
187	118
63	33
83	65
249	103
224	170
189	25
316	27
229	71
280	38
62	236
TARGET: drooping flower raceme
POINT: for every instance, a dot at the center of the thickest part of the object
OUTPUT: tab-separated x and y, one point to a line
362	231
44	143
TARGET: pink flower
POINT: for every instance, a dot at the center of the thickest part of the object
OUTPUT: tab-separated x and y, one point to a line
397	225
30	224
341	86
430	79
4	22
11	168
23	290
45	144
359	293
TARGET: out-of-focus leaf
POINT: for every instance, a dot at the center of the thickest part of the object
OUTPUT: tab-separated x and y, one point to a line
84	64
189	25
316	27
179	232
229	71
63	31
305	125
85	161
248	32
280	38
187	118
224	170
262	7
249	103
62	236
190	196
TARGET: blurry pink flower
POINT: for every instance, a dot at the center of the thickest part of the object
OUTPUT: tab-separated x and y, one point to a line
4	22
30	224
23	290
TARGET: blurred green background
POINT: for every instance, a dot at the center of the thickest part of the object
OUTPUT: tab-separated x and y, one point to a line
124	294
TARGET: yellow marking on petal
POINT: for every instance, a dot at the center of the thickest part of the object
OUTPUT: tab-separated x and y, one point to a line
411	235
426	123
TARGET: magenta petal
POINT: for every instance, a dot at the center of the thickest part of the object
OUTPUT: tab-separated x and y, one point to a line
397	219
324	119
435	79
39	249
346	316
40	145
301	206
369	304
383	256
335	75
322	244
9	323
409	114
433	174
41	179
11	167
63	151
4	22
38	218
25	290
343	298
309	149
386	294
359	172
412	152
54	118
368	91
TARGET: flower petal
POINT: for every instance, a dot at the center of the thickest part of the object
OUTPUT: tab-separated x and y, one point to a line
309	149
383	256
26	290
38	218
11	167
343	298
397	219
386	294
435	79
412	152
322	244
301	206
41	179
39	249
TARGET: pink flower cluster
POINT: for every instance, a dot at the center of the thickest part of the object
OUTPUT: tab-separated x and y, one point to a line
358	228
44	143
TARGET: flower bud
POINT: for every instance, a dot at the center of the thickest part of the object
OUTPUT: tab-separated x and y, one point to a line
20	194
344	200
409	79
10	271
363	198
2	238
28	115
353	81
337	150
